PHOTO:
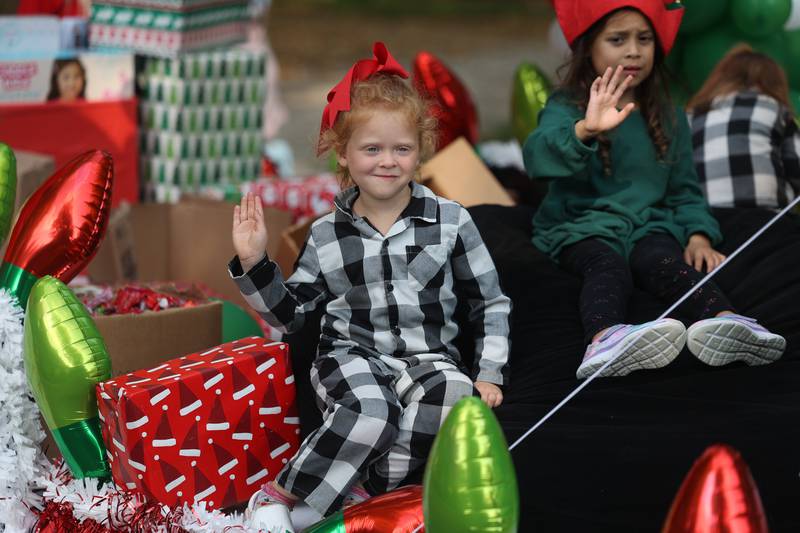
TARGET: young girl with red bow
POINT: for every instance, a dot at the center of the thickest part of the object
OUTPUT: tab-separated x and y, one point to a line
388	265
624	205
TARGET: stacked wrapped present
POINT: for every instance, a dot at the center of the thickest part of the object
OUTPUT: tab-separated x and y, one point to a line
167	27
201	123
304	197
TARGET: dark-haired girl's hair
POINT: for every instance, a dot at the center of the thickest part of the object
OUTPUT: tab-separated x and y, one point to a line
652	94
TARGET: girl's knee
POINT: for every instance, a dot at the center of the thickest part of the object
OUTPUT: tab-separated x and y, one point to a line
376	423
449	390
460	389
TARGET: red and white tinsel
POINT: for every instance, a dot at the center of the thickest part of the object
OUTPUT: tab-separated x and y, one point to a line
37	496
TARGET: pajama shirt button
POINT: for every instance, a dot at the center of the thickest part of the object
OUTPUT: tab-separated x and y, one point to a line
390	287
396	330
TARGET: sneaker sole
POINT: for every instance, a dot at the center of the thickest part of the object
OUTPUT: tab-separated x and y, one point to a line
718	344
655	347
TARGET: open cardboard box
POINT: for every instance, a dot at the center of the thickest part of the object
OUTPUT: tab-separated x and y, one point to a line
187	241
145	340
457	173
291	242
32	170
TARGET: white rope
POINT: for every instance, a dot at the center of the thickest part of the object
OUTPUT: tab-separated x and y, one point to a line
665	313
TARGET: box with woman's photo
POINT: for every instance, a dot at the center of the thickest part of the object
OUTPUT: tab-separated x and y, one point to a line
89	76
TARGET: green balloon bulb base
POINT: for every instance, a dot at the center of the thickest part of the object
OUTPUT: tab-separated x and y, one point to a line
333	524
81	457
17	281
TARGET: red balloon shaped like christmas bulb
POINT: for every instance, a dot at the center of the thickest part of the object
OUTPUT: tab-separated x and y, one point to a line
398	511
453	106
718	495
61	225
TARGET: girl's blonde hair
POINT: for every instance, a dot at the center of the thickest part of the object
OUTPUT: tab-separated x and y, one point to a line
740	69
386	93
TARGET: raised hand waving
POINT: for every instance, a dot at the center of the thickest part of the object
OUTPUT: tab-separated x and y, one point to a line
602	113
249	231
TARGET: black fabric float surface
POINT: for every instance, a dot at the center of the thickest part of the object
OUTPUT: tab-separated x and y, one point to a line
614	457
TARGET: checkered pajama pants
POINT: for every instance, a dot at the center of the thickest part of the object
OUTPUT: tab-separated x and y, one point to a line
380	417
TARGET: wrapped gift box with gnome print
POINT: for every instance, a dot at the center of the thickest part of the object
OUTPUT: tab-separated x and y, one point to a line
210	426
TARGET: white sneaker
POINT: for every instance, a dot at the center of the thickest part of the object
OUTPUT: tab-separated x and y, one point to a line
268	515
728	338
634	347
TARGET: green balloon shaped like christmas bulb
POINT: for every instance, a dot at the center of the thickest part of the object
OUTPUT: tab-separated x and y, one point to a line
529	95
8	189
65	358
470	485
702	15
760	18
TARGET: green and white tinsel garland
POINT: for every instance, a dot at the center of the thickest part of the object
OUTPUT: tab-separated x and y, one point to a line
21	459
28	480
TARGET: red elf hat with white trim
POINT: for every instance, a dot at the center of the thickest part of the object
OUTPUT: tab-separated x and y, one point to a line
577	16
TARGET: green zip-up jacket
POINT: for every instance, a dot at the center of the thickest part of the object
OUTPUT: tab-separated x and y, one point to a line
642	195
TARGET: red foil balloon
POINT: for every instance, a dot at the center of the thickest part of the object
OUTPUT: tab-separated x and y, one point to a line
717	496
398	511
453	106
61	225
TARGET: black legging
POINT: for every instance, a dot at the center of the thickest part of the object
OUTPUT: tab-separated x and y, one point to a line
656	265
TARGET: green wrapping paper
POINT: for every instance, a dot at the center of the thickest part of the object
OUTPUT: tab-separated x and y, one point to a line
209	65
251	91
170	145
202	123
170	5
200	119
129	17
165	43
190	174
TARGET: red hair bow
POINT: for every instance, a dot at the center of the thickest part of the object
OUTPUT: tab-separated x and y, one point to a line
339	96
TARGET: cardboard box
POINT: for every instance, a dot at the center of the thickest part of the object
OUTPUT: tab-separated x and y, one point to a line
32	170
291	242
145	340
456	172
187	241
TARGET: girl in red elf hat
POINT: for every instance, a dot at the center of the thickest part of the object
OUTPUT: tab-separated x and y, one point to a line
624	205
387	265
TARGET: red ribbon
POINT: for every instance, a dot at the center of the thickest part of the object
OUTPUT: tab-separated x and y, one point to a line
339	96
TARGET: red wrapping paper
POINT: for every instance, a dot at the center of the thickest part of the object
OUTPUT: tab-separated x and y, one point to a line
211	426
306	197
